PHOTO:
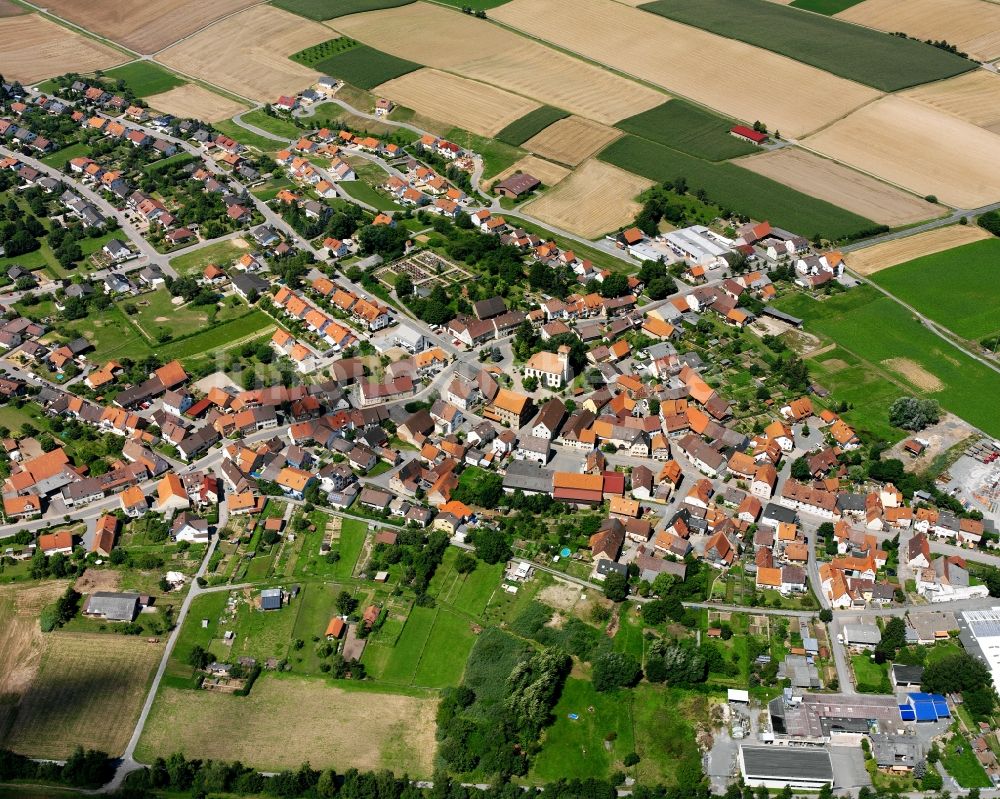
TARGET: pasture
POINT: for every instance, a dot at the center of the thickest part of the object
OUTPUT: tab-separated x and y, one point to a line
595	199
973	26
468	104
466	46
884	337
869	260
688	128
919	148
572	140
735	188
82	678
144	27
36	48
520	130
247	53
958	288
842	186
193	101
286	720
324	9
887	63
722	74
974	97
365	67
547	172
145	78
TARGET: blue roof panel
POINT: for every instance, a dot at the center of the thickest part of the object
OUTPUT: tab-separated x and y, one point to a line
906	713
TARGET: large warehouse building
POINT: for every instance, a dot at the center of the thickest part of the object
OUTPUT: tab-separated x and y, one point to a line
979	631
808	768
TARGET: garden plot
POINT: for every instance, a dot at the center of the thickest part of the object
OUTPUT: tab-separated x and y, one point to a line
426	269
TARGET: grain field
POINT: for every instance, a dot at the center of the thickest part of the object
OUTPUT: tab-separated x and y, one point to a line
869	260
35	48
547	172
974	97
572	140
191	100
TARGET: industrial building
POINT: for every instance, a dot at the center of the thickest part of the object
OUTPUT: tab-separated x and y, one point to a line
979	631
778	766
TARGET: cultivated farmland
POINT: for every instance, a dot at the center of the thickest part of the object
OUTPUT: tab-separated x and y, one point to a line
8	8
324	9
519	131
869	260
468	104
36	48
971	25
144	27
572	140
193	101
722	74
688	128
364	67
461	44
735	188
974	97
959	288
842	186
84	678
917	147
547	172
859	54
145	78
247	53
286	720
595	199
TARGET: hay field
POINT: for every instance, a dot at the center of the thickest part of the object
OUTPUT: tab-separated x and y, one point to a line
974	97
458	43
84	679
595	199
820	177
971	25
472	106
35	48
918	147
571	140
247	53
869	260
142	26
287	720
547	172
720	73
191	100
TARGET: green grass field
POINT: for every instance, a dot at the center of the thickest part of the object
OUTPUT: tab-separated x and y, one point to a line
324	9
873	328
688	128
475	5
497	155
366	193
222	254
828	7
364	66
446	650
279	127
229	128
532	123
60	157
957	288
352	539
861	54
871	677
402	663
964	766
738	189
145	78
218	337
316	53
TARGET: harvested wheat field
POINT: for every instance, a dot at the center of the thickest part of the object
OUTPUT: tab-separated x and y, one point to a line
247	53
458	43
844	187
869	260
974	97
191	100
594	200
470	105
571	140
11	9
398	730
971	25
720	73
547	172
82	678
919	148
142	26
914	373
35	48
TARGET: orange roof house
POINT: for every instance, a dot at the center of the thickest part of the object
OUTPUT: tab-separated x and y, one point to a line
50	543
170	494
171	374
